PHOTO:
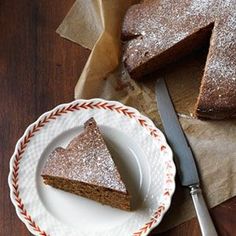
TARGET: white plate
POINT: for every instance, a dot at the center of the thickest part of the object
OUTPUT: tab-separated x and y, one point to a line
139	149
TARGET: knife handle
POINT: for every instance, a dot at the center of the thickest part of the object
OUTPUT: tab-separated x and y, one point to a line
206	225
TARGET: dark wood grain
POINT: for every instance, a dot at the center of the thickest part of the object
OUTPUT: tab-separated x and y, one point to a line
39	70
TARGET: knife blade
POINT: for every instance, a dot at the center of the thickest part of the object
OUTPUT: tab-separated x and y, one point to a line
184	158
175	136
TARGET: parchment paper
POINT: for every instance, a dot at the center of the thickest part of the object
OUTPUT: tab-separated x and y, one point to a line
96	24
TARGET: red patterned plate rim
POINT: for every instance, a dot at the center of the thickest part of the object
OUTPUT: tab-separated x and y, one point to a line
62	109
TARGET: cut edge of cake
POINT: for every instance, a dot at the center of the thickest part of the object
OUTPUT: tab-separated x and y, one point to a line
99	194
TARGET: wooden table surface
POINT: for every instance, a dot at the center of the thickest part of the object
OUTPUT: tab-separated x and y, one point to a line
38	70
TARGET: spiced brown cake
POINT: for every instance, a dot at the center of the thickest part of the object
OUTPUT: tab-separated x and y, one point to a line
159	32
85	167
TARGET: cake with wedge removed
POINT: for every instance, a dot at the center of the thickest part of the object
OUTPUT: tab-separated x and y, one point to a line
157	32
86	168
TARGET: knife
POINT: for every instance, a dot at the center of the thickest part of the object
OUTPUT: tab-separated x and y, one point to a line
183	157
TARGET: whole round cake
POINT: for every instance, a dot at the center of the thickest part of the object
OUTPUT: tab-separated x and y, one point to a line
159	32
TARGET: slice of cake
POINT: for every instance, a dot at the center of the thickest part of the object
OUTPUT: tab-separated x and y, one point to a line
86	168
159	32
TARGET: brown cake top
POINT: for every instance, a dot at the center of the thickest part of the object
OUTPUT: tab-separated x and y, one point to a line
153	27
85	159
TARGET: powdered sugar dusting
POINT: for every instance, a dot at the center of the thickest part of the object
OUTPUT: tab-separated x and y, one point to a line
219	88
169	22
86	159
